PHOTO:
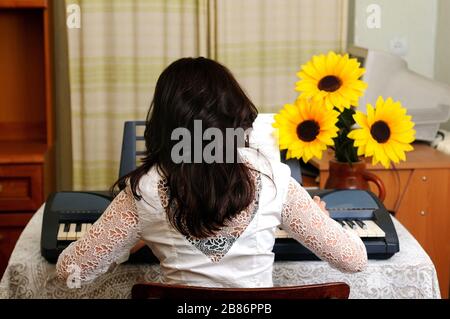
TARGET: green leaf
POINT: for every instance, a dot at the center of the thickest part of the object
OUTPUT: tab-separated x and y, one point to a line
345	150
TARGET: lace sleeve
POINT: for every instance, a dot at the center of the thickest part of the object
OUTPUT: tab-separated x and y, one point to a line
306	222
108	241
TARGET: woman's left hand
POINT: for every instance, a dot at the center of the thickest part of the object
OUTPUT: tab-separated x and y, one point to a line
321	204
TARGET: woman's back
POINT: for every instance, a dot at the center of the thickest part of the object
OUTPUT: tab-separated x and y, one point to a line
240	254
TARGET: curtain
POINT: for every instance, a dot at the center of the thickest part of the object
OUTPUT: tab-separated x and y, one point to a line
122	46
264	42
115	59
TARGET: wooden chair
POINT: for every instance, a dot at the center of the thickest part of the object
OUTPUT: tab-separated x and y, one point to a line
338	290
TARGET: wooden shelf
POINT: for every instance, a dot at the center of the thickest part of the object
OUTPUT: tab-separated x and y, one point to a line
25	104
423	156
22	153
23	4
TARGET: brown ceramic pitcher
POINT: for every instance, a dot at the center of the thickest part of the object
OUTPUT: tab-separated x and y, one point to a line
353	176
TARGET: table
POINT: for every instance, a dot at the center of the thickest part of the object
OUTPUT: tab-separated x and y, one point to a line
419	193
408	274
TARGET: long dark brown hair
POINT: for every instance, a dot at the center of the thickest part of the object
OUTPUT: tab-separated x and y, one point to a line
202	196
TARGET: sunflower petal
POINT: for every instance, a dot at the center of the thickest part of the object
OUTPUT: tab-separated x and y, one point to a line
293	115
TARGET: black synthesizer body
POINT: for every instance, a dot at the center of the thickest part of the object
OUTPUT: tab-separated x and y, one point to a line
68	215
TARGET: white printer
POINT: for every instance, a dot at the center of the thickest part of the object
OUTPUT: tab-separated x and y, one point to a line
427	101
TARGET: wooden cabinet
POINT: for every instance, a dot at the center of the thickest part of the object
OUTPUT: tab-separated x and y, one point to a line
418	192
425	212
26	116
20	187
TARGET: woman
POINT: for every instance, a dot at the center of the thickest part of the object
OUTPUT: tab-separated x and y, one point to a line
209	224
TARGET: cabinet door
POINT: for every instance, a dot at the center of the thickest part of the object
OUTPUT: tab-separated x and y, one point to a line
21	187
11	226
424	212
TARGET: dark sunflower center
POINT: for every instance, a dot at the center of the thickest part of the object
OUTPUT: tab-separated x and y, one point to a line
380	131
307	131
330	83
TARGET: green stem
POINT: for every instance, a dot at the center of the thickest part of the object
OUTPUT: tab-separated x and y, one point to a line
344	149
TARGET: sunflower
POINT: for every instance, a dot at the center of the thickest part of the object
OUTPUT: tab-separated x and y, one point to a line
332	78
305	129
386	132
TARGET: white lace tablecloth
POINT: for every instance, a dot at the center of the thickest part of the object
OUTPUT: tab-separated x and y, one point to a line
408	274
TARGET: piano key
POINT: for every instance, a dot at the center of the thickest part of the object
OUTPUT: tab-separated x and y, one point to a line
83	230
351	227
88	226
346	226
360	223
364	223
356	227
372	229
362	233
375	229
72	234
361	229
381	232
66	227
62	235
349	223
365	228
78	232
280	233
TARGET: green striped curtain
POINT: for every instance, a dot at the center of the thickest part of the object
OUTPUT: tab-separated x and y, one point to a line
264	42
123	45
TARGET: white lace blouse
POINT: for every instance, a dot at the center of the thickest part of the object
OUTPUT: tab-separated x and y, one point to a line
239	255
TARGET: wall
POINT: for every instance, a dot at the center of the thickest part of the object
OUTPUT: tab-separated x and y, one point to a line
442	69
443	42
61	98
412	20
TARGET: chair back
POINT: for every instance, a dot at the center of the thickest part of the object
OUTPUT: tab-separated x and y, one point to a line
133	146
336	290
